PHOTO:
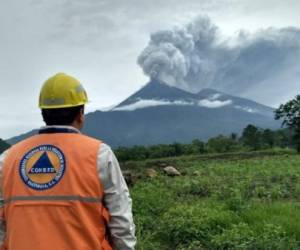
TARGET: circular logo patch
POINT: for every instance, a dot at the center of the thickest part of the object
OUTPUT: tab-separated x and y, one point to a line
42	167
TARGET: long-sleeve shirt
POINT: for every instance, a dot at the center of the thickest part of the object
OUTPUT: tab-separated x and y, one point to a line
116	198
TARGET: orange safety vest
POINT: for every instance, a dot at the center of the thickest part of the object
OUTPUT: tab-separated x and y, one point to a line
53	195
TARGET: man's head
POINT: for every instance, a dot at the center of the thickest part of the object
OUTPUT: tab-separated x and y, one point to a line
62	101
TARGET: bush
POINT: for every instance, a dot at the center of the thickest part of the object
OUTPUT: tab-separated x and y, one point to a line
222	144
186	224
195	245
241	236
199	188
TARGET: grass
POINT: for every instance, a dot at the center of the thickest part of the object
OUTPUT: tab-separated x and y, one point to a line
221	202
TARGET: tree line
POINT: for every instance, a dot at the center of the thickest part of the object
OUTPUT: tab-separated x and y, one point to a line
252	138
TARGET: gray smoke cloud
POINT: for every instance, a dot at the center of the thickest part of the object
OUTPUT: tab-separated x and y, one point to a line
196	56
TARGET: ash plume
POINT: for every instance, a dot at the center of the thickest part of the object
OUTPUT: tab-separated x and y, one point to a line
196	56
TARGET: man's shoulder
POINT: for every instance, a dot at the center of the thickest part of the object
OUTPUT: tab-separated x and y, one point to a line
105	146
104	150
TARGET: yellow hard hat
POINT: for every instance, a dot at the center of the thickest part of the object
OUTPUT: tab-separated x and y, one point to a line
62	91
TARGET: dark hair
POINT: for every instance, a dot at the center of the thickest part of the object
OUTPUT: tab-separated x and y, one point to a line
61	116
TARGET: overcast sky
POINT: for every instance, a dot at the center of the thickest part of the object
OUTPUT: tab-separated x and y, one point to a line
99	41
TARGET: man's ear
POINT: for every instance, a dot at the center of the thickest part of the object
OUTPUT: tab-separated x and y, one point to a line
79	120
81	116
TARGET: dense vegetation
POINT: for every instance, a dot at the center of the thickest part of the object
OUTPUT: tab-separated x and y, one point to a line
289	113
221	201
3	146
252	138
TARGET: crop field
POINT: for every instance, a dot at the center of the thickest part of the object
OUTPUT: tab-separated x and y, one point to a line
235	201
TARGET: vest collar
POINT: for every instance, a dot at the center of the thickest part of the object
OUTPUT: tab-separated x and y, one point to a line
58	129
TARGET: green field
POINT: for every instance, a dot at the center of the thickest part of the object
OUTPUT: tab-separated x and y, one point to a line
228	201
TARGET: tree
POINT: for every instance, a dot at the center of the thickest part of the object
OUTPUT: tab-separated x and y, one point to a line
198	147
284	138
251	137
178	148
234	136
221	144
268	138
289	113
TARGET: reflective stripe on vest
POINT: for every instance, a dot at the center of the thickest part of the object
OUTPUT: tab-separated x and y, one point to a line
52	198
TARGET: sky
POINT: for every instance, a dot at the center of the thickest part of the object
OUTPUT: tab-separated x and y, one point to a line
100	42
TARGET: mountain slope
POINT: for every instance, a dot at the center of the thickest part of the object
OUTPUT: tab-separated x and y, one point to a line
158	113
157	90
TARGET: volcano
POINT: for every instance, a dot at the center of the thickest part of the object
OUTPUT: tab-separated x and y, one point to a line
158	113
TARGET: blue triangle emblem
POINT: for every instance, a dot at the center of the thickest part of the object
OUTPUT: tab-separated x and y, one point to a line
43	166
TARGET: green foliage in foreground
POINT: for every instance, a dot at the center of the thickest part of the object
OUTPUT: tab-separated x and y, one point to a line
3	146
221	204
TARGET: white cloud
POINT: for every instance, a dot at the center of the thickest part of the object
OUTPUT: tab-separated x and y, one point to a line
149	103
214	103
247	109
215	96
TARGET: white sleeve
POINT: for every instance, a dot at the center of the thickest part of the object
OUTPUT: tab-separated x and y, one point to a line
116	199
2	221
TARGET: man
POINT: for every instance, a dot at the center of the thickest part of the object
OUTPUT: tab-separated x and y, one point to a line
60	189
